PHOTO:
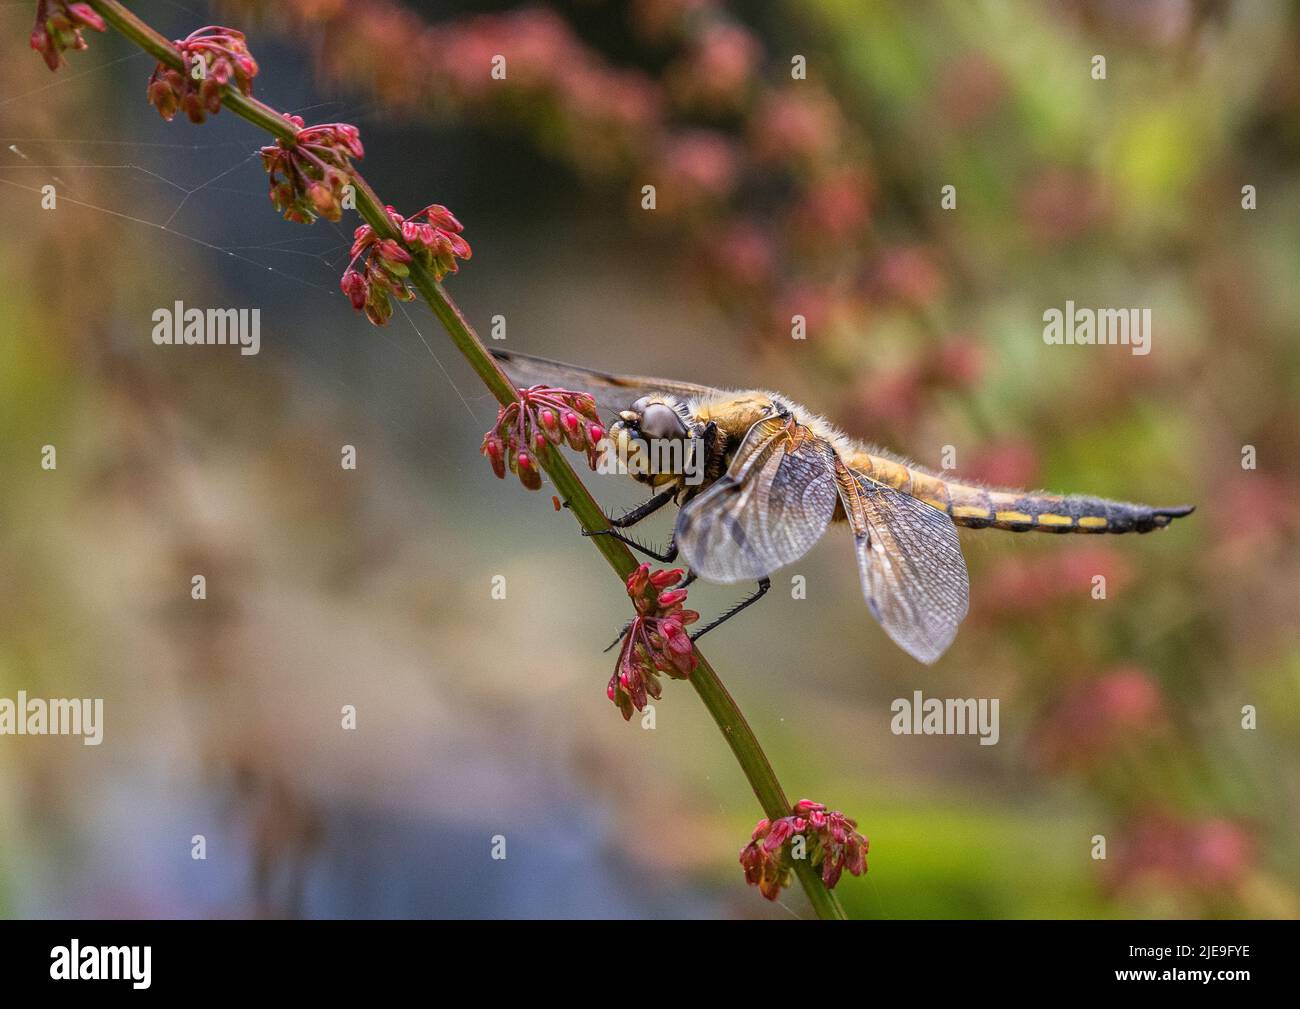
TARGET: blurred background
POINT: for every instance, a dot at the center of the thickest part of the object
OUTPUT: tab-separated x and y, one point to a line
478	716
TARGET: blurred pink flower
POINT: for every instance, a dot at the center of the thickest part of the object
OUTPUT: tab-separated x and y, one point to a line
836	209
815	303
795	124
958	363
1011	462
696	167
718	69
1091	720
1255	509
1060	205
1168	851
659	20
1021	587
742	257
890	398
971	88
906	274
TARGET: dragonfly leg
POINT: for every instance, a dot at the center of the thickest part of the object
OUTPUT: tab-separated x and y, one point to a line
666	556
645	509
763	585
621	635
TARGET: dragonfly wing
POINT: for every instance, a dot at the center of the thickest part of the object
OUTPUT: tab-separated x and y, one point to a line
910	562
774	502
613	393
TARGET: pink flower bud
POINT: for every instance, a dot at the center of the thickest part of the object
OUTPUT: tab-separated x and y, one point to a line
323	201
192	105
671	597
459	247
85	15
529	475
550	425
163	99
494	450
663	579
442	218
392	250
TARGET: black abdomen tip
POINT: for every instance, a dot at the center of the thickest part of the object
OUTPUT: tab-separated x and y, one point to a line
1158	518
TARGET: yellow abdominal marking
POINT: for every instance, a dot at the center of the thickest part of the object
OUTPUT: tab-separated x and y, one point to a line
1014	517
971	512
1055	520
1092	522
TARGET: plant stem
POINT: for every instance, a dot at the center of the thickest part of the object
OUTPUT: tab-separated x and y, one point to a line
739	736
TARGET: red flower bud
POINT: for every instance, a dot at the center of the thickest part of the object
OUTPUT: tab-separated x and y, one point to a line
671	597
356	288
84	14
662	579
529	475
323	200
495	451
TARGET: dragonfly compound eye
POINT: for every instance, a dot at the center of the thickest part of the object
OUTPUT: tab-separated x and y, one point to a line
661	421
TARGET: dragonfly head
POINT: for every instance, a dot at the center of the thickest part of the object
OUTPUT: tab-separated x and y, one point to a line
652	439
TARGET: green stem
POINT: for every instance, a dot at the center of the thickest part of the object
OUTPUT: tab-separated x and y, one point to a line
740	737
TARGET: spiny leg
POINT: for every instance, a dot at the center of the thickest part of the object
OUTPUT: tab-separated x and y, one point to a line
667	556
621	635
644	509
763	585
636	515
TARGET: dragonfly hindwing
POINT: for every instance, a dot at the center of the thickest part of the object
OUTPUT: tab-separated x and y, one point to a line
910	562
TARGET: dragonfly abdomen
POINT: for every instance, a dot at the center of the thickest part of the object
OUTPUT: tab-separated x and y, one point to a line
1017	511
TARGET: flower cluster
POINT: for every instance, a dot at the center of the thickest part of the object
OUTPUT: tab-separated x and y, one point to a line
434	242
309	173
833	838
213	58
58	27
543	415
655	642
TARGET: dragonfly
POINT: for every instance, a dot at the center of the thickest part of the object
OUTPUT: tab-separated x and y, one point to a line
775	476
